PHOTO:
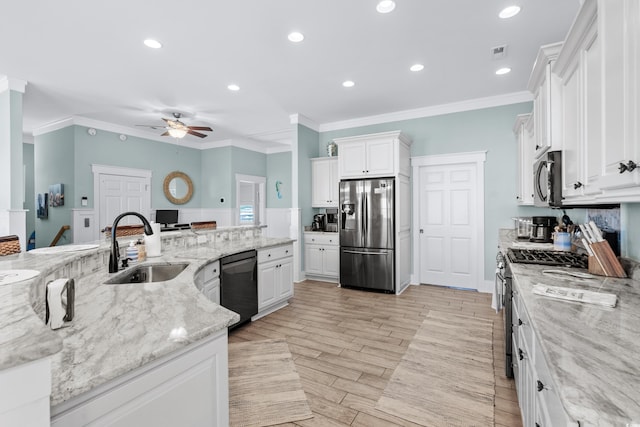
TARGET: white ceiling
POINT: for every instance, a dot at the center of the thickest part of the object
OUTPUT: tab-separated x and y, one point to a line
86	59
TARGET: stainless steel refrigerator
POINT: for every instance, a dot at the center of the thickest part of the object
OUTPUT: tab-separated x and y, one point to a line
367	221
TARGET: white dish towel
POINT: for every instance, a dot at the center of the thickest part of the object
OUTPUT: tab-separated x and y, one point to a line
570	294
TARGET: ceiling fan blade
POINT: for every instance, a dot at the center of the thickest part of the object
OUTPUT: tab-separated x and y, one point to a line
165	134
194	133
151	126
207	128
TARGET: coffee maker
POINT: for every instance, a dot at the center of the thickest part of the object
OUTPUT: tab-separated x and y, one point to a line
332	220
318	222
542	229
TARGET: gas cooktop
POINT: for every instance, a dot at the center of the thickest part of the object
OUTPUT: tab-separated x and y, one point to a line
548	257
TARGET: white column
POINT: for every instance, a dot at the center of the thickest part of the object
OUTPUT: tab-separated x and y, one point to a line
12	214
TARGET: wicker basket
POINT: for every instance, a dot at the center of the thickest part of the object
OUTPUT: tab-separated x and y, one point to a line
9	245
203	225
125	230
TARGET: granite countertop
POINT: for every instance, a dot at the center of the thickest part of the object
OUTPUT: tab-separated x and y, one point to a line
593	352
116	328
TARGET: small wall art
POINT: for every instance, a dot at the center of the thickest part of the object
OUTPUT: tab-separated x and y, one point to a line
42	205
56	195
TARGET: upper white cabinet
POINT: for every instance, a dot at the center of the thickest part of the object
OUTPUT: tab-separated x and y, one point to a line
587	103
376	155
325	182
545	87
524	129
619	25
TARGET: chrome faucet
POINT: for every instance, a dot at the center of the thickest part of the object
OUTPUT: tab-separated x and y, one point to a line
114	257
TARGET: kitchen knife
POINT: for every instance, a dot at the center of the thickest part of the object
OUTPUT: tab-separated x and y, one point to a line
595	232
587	247
585	232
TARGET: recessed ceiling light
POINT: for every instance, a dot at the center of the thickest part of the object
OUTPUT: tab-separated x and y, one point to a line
417	67
509	12
233	87
348	83
153	44
295	37
502	71
385	6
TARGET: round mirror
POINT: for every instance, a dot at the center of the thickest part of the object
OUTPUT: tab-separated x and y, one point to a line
178	188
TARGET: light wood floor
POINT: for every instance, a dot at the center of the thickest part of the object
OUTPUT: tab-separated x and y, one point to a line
346	344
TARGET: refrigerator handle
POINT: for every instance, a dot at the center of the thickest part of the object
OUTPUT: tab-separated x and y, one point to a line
365	214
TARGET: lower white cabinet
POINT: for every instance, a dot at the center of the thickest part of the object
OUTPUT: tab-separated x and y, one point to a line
208	281
187	388
322	256
24	394
539	403
275	277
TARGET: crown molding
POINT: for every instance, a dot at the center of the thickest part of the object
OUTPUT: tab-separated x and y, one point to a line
437	110
299	119
7	83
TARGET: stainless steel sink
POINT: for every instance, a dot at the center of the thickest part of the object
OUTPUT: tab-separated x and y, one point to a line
148	273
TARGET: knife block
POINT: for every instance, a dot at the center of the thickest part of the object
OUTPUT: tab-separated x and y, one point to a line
604	262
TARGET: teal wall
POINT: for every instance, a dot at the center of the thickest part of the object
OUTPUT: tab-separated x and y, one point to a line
105	148
279	169
216	178
630	220
54	159
29	188
490	130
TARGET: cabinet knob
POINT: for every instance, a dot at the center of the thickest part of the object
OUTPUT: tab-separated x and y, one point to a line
622	168
539	385
577	185
631	166
520	354
287	251
268	255
537	147
520	323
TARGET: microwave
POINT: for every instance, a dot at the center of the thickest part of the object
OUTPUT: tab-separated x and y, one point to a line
547	180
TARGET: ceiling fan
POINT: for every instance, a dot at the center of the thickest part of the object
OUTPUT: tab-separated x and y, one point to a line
177	129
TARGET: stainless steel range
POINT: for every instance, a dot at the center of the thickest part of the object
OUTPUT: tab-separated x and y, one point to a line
548	257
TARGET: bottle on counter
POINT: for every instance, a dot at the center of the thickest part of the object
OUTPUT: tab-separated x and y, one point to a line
142	250
132	252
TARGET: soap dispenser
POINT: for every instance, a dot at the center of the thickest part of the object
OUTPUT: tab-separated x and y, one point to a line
132	252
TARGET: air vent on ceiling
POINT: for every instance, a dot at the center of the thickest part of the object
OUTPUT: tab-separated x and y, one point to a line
499	52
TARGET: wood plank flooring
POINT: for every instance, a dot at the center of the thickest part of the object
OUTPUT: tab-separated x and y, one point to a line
346	344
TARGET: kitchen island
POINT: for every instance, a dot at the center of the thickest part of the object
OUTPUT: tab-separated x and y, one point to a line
592	353
117	328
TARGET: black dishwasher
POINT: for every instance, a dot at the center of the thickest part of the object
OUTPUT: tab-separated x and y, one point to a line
239	285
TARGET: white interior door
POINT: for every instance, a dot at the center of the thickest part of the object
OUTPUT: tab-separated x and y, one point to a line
118	194
448	225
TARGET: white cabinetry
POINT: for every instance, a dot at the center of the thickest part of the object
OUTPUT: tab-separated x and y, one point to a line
524	129
275	278
546	98
324	182
322	256
619	26
24	394
368	156
188	387
207	280
539	403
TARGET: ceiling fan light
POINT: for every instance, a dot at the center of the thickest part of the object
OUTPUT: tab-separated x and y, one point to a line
177	133
386	6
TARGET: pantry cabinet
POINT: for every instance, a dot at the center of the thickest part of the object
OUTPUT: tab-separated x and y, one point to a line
275	278
325	182
322	256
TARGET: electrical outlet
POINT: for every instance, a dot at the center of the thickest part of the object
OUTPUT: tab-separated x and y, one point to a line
86	223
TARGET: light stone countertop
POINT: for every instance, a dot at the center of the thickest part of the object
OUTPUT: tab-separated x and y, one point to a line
593	352
116	328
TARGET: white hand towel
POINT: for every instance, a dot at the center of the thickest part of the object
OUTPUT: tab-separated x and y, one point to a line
570	294
57	307
153	243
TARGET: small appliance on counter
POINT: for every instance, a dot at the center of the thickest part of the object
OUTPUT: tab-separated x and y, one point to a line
522	227
332	221
319	221
542	229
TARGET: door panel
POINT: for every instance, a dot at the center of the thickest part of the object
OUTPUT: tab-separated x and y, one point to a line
118	194
351	204
378	205
446	209
367	268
